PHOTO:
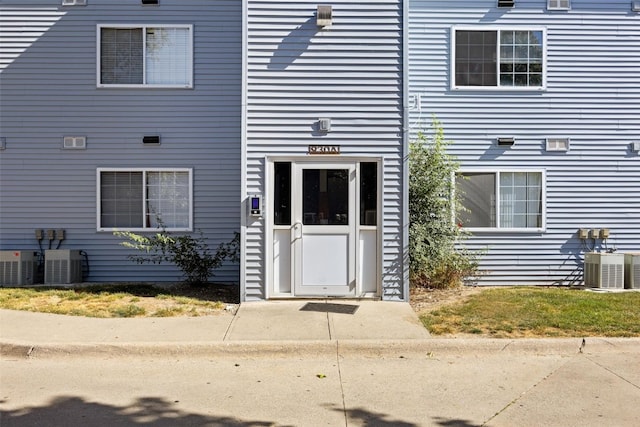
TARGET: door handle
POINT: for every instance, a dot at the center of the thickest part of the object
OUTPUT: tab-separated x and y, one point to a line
297	231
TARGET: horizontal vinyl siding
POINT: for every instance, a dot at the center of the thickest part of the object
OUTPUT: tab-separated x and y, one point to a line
49	91
592	97
350	72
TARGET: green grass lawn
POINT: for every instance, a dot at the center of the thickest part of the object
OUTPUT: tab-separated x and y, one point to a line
539	312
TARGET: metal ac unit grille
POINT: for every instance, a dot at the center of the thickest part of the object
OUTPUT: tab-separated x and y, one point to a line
603	270
17	268
632	271
62	266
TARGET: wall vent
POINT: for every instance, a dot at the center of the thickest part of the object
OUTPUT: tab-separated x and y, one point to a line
74	142
632	270
506	3
74	2
557	144
62	266
604	270
559	4
17	268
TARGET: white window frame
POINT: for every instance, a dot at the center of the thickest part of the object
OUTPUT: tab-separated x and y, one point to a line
555	5
498	29
143	27
143	206
496	190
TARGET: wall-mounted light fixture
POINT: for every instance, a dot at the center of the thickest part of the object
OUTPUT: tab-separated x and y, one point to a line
635	5
324	125
151	140
506	141
324	15
635	147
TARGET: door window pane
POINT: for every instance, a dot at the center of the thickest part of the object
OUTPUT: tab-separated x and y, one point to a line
325	197
368	193
282	193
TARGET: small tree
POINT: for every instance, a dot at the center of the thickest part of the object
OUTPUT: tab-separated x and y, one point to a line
191	255
433	234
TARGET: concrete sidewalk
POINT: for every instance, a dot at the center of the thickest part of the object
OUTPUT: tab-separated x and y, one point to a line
317	322
379	366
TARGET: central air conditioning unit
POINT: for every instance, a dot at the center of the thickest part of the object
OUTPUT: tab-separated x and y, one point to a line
62	266
17	268
632	270
604	270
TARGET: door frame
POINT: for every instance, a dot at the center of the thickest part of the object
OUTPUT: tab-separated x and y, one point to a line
269	227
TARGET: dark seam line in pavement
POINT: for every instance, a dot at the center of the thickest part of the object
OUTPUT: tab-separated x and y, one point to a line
508	344
526	392
344	404
328	322
610	371
226	333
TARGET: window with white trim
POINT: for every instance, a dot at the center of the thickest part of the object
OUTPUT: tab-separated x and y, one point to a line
504	58
141	199
501	199
153	56
559	4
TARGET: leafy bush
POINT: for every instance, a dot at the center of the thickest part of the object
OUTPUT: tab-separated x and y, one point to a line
436	258
191	255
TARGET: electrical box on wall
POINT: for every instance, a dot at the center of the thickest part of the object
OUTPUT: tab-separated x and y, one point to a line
255	205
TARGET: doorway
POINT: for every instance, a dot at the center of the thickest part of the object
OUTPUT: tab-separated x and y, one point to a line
325	228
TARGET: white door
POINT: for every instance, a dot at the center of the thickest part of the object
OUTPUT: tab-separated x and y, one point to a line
323	232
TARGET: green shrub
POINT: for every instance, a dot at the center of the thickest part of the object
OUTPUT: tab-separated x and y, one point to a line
191	255
436	256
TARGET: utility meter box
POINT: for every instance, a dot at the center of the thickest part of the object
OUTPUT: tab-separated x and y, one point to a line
62	266
17	268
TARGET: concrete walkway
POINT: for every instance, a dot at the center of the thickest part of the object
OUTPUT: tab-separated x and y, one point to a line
381	368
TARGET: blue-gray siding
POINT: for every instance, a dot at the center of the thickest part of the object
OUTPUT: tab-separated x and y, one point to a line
592	97
48	78
351	72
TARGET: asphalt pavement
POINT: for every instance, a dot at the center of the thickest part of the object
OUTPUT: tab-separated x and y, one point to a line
316	362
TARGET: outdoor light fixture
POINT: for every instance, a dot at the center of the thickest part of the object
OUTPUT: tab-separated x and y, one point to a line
506	141
324	125
151	140
635	5
324	15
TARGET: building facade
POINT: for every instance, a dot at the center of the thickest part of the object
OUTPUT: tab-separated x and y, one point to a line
541	102
137	115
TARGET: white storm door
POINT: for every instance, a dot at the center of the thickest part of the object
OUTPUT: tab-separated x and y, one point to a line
323	233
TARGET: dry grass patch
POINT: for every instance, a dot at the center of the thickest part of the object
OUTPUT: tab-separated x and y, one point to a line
118	300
